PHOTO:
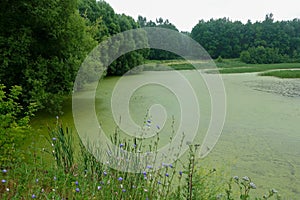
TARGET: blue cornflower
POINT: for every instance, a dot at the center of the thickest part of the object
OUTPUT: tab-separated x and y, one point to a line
149	167
252	185
171	166
33	196
167	175
4	171
76	182
246	178
77	190
120	179
180	173
144	173
3	181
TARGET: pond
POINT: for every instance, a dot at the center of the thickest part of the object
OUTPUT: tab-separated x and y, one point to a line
261	133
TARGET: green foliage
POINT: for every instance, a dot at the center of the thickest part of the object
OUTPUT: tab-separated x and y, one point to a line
42	45
226	38
104	22
14	125
262	55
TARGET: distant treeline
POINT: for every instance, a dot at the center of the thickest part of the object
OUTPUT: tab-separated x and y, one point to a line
260	42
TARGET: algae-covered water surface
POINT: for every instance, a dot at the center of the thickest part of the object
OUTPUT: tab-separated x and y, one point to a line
261	133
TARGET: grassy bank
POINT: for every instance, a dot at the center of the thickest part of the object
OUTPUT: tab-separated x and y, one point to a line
74	173
283	74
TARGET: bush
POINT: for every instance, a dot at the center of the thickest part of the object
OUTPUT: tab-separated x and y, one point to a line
14	126
262	55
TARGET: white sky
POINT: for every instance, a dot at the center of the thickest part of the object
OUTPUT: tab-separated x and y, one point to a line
185	14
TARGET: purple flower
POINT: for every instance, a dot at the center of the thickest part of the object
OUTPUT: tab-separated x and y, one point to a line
149	167
4	171
144	173
104	173
180	173
77	190
167	175
171	166
76	182
99	187
54	139
121	145
33	196
123	190
3	181
120	179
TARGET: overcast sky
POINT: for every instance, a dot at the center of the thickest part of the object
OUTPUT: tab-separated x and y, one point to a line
185	14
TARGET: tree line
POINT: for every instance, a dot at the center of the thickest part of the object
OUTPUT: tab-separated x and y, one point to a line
268	41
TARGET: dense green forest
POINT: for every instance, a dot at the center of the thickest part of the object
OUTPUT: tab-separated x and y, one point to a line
260	42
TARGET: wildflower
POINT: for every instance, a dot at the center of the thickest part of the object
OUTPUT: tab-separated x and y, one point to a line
57	117
4	171
144	173
77	190
104	173
167	175
274	191
180	173
171	166
236	178
33	196
145	190
121	145
37	180
149	167
42	191
120	179
3	181
158	182
123	190
149	121
7	189
246	178
252	185
54	139
99	187
76	182
134	145
54	178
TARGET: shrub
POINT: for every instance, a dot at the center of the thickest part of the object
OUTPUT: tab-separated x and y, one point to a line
14	125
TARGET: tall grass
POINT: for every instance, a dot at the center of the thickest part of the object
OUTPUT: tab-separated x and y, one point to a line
72	172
